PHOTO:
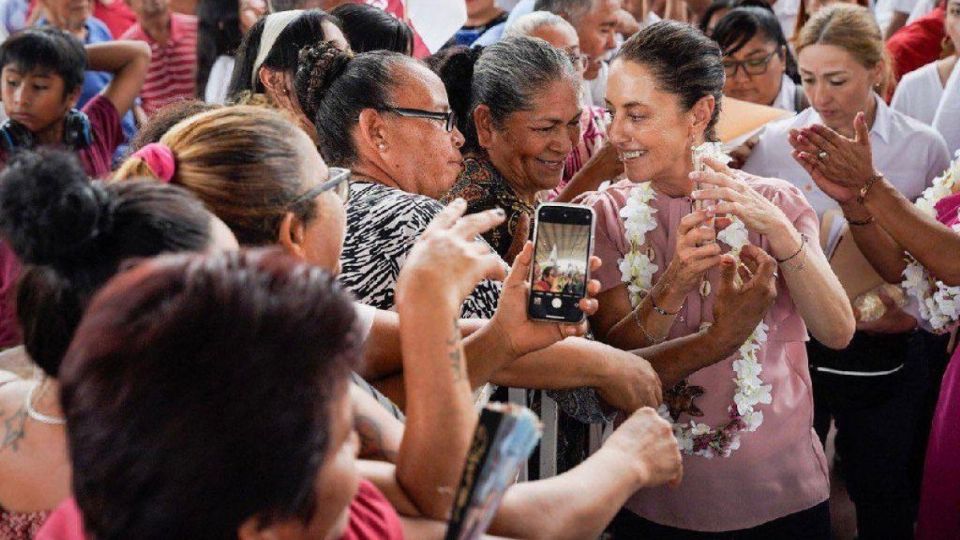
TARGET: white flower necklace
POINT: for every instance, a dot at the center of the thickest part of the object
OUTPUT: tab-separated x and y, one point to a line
637	269
938	303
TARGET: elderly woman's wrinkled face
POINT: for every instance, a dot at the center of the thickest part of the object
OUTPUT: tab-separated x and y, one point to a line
530	147
649	128
759	65
421	155
837	85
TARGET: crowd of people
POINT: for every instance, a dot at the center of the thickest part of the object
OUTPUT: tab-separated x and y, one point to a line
262	264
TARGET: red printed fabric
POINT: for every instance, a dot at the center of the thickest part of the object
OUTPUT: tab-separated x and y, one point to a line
19	526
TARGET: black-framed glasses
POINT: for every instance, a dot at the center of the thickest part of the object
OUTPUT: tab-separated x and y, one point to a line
753	66
339	182
448	118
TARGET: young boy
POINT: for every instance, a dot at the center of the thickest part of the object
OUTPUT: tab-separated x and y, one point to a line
173	42
42	75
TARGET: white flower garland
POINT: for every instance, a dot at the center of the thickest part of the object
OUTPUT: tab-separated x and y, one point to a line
637	269
938	303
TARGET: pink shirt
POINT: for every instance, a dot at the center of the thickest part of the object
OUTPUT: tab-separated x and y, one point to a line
778	469
939	517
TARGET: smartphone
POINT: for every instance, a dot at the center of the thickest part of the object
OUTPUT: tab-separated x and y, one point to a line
563	243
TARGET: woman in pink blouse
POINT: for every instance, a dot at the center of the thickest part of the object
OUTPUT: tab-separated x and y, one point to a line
733	355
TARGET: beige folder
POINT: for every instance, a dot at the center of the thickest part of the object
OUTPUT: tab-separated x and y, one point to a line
739	118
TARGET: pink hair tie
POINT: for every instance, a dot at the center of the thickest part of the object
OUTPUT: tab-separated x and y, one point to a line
159	158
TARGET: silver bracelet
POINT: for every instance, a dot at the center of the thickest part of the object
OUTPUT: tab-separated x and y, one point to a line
650	339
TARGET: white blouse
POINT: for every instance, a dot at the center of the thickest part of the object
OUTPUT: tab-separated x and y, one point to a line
919	93
909	153
947	118
787	98
219	81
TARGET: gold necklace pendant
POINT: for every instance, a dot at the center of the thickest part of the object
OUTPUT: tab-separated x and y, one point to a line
705	288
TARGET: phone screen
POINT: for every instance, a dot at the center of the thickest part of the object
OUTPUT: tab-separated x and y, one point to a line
562	246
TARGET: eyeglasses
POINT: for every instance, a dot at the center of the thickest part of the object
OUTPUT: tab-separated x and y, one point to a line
339	182
449	118
579	60
753	66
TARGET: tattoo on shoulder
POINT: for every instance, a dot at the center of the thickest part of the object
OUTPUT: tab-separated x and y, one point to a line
13	430
454	352
371	440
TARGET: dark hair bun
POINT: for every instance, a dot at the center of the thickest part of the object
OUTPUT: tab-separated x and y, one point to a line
50	212
454	66
320	65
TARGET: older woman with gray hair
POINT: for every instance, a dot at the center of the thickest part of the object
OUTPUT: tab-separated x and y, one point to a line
521	123
593	160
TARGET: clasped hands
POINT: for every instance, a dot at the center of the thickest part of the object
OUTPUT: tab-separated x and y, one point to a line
839	165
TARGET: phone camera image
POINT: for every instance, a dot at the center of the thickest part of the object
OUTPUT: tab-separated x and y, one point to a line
559	276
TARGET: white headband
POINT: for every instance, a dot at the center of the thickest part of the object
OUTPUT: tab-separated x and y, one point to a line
272	26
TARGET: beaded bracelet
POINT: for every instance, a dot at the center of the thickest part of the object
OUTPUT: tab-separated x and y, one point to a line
798	266
660	310
803	242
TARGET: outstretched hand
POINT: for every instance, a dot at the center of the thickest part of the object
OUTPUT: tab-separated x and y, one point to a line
839	165
645	442
518	332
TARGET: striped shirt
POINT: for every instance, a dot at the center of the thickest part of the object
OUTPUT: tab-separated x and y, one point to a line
173	66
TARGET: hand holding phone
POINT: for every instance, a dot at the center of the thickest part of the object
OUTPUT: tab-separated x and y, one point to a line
563	243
